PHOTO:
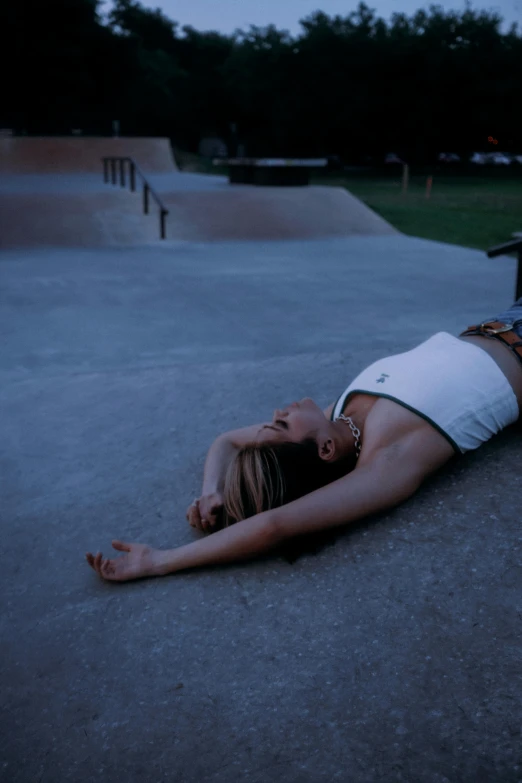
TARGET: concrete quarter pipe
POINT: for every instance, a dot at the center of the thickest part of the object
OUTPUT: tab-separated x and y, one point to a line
52	194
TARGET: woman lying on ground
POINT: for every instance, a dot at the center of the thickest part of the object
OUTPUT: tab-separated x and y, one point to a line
308	470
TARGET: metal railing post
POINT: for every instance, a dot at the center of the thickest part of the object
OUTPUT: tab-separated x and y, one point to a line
515	246
119	162
163	214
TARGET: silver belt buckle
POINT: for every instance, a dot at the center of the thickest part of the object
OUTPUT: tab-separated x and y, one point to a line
505	328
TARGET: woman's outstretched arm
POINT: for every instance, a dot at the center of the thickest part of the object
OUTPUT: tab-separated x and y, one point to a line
373	487
243	540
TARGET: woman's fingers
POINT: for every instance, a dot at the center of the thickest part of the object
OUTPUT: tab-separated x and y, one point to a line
107	569
203	521
210	508
192	515
94	562
196	520
121	546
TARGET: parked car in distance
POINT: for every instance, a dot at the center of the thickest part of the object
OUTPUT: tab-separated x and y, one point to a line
448	157
391	157
500	159
480	158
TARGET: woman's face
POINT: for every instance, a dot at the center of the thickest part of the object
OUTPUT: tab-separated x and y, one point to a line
299	420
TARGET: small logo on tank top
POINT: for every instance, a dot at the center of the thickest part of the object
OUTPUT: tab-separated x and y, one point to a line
383	377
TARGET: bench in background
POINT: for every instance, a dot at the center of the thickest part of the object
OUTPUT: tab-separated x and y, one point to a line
270	171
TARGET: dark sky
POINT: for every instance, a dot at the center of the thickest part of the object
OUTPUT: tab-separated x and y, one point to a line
227	15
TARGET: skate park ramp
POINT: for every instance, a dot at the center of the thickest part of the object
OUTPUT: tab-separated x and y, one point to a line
74	219
52	194
82	154
269	213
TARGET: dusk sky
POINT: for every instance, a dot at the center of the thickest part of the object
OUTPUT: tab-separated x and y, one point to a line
227	15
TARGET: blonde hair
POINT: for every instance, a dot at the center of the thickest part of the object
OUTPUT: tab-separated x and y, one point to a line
263	477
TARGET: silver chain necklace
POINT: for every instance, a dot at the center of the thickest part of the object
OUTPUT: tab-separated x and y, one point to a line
356	433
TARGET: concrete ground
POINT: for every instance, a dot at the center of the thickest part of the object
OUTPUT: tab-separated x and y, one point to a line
391	653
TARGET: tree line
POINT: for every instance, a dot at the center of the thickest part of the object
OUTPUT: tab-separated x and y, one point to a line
350	86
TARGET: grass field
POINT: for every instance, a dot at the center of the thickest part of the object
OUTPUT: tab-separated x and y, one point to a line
473	212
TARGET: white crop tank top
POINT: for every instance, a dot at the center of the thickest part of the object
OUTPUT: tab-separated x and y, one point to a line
454	385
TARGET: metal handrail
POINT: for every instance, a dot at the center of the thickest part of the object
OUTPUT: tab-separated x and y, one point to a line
134	169
514	246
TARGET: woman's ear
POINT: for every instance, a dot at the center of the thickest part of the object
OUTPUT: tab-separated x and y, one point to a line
327	450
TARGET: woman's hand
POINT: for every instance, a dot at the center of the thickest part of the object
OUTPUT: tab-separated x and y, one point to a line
204	513
139	560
